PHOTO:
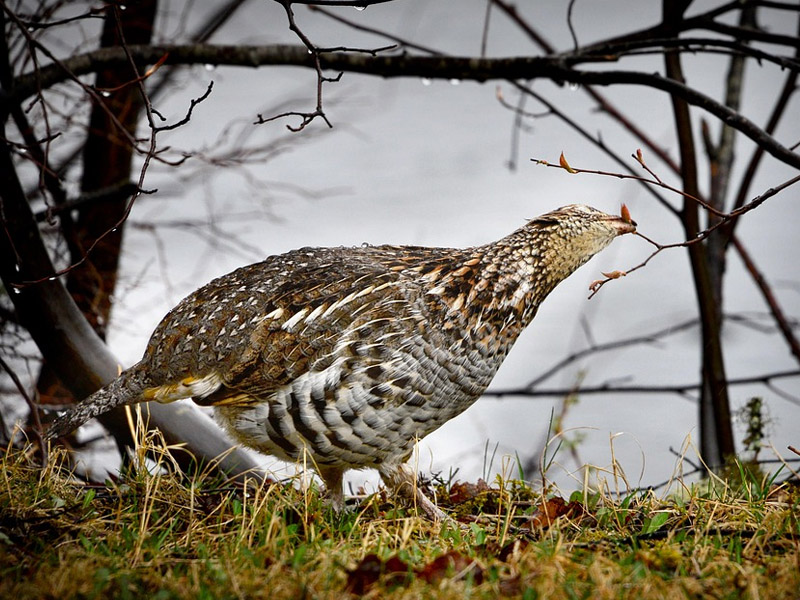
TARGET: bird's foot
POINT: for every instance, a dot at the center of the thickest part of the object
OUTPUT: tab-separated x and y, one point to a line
433	512
402	480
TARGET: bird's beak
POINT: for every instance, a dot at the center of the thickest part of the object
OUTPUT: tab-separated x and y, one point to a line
623	223
623	226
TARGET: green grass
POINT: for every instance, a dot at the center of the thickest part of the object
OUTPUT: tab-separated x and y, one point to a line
168	536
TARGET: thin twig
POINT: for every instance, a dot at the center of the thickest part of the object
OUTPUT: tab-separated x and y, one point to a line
33	408
318	111
605	105
682	389
188	117
654	181
701	235
596	140
593	349
570	7
775	308
485	35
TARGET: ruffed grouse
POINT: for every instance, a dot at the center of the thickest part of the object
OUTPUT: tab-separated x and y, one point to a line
351	355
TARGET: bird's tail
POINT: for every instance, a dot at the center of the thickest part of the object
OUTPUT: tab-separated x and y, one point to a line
125	389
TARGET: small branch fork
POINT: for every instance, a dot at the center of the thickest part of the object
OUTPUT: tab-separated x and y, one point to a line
318	112
315	51
723	218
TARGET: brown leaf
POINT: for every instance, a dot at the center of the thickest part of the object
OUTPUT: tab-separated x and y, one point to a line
394	564
510	549
511	586
366	573
461	492
553	508
453	565
371	569
562	160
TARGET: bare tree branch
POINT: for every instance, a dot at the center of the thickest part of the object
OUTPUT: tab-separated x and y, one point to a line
778	111
650	338
34	410
681	389
780	319
692	240
472	69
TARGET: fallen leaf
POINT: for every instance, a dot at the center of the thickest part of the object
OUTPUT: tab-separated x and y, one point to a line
395	571
551	509
370	570
461	492
511	586
510	549
452	565
366	573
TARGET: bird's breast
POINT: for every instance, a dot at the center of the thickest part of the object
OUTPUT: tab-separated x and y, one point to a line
361	410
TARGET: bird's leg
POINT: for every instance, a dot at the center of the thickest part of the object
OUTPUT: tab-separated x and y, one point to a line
333	478
402	480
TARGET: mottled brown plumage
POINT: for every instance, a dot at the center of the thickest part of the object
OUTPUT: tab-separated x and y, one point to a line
350	355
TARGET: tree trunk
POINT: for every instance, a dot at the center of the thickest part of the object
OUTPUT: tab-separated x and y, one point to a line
72	348
107	163
66	340
716	431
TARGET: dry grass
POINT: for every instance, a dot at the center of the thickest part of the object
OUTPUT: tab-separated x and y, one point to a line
167	536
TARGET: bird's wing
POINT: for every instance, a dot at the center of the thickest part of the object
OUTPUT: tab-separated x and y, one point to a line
244	335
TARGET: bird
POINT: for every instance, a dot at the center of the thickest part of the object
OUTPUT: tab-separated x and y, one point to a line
344	357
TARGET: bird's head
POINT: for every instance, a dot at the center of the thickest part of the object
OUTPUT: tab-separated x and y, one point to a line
569	236
583	229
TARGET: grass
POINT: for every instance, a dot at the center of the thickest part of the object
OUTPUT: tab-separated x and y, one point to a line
162	535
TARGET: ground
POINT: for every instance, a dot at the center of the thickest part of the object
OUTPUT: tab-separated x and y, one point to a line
156	534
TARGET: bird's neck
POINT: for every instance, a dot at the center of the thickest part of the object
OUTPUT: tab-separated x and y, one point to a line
497	288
